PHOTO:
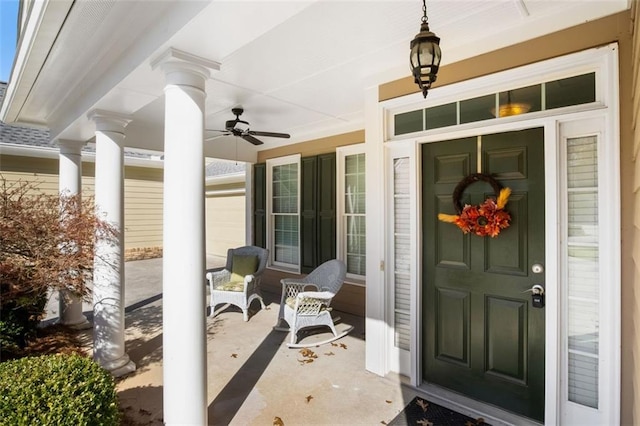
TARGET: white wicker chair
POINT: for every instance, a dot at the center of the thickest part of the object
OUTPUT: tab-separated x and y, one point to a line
239	293
302	308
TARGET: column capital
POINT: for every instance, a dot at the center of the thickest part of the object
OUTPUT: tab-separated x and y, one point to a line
68	147
183	68
109	121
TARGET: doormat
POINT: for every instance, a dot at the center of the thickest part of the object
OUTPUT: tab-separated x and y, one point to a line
420	412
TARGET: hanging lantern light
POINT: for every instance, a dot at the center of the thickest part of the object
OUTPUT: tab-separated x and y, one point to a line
425	55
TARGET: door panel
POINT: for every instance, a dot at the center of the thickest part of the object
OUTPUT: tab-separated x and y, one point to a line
452	342
482	337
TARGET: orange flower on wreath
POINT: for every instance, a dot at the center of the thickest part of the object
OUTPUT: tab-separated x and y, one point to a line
489	218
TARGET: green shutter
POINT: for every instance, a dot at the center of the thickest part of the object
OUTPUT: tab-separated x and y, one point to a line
260	205
326	207
308	206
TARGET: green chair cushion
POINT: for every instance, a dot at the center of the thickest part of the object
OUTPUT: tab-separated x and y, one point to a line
243	265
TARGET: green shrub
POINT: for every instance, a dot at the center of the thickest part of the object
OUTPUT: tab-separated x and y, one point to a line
19	319
57	390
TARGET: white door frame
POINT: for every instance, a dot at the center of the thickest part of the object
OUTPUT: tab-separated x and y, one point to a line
604	62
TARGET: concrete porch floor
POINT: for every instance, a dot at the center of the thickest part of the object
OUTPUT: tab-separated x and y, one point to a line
253	377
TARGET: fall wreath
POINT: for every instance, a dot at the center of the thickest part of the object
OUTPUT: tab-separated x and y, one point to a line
488	218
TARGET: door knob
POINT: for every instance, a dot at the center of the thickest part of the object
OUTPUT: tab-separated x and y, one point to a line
537	289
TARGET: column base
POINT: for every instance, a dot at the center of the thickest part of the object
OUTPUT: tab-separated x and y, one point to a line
119	367
81	324
128	368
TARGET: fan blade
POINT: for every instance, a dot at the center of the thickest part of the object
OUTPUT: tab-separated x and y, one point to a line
222	133
269	134
251	139
210	138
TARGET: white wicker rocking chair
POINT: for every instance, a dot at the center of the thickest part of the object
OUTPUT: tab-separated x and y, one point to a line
238	283
301	308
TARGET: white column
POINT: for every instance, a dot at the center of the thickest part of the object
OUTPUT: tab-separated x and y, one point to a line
183	302
70	181
108	273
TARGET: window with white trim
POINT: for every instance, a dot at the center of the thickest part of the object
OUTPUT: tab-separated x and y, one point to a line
283	189
351	228
401	253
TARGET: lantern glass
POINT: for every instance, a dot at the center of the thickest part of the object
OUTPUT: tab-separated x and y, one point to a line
425	53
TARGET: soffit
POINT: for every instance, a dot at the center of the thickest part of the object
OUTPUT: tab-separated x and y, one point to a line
296	67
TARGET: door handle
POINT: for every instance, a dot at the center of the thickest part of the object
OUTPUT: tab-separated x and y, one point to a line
537	289
537	296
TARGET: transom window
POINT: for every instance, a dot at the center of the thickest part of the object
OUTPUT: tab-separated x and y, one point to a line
577	90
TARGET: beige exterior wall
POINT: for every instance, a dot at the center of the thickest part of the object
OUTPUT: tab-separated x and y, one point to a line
631	246
142	193
225	223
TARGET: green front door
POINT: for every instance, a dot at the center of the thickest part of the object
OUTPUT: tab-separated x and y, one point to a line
482	336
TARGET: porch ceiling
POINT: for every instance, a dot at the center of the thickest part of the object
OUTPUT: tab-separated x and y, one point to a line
300	67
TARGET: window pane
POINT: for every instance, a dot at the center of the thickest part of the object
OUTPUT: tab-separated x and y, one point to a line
408	122
571	91
477	109
401	250
583	274
520	101
356	244
402	334
354	191
285	188
583	380
582	162
441	116
286	239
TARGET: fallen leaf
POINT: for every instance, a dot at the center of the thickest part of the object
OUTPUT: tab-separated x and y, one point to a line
329	353
388	402
479	421
234	355
309	398
308	353
422	404
343	346
145	412
383	422
334	344
424	422
305	361
277	421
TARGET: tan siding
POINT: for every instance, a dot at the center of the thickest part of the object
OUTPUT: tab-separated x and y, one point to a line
143	194
143	208
45	183
630	411
314	147
225	220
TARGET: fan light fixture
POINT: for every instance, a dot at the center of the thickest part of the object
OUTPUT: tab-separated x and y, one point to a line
425	55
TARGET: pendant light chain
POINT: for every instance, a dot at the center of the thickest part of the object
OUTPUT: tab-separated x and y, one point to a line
425	19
